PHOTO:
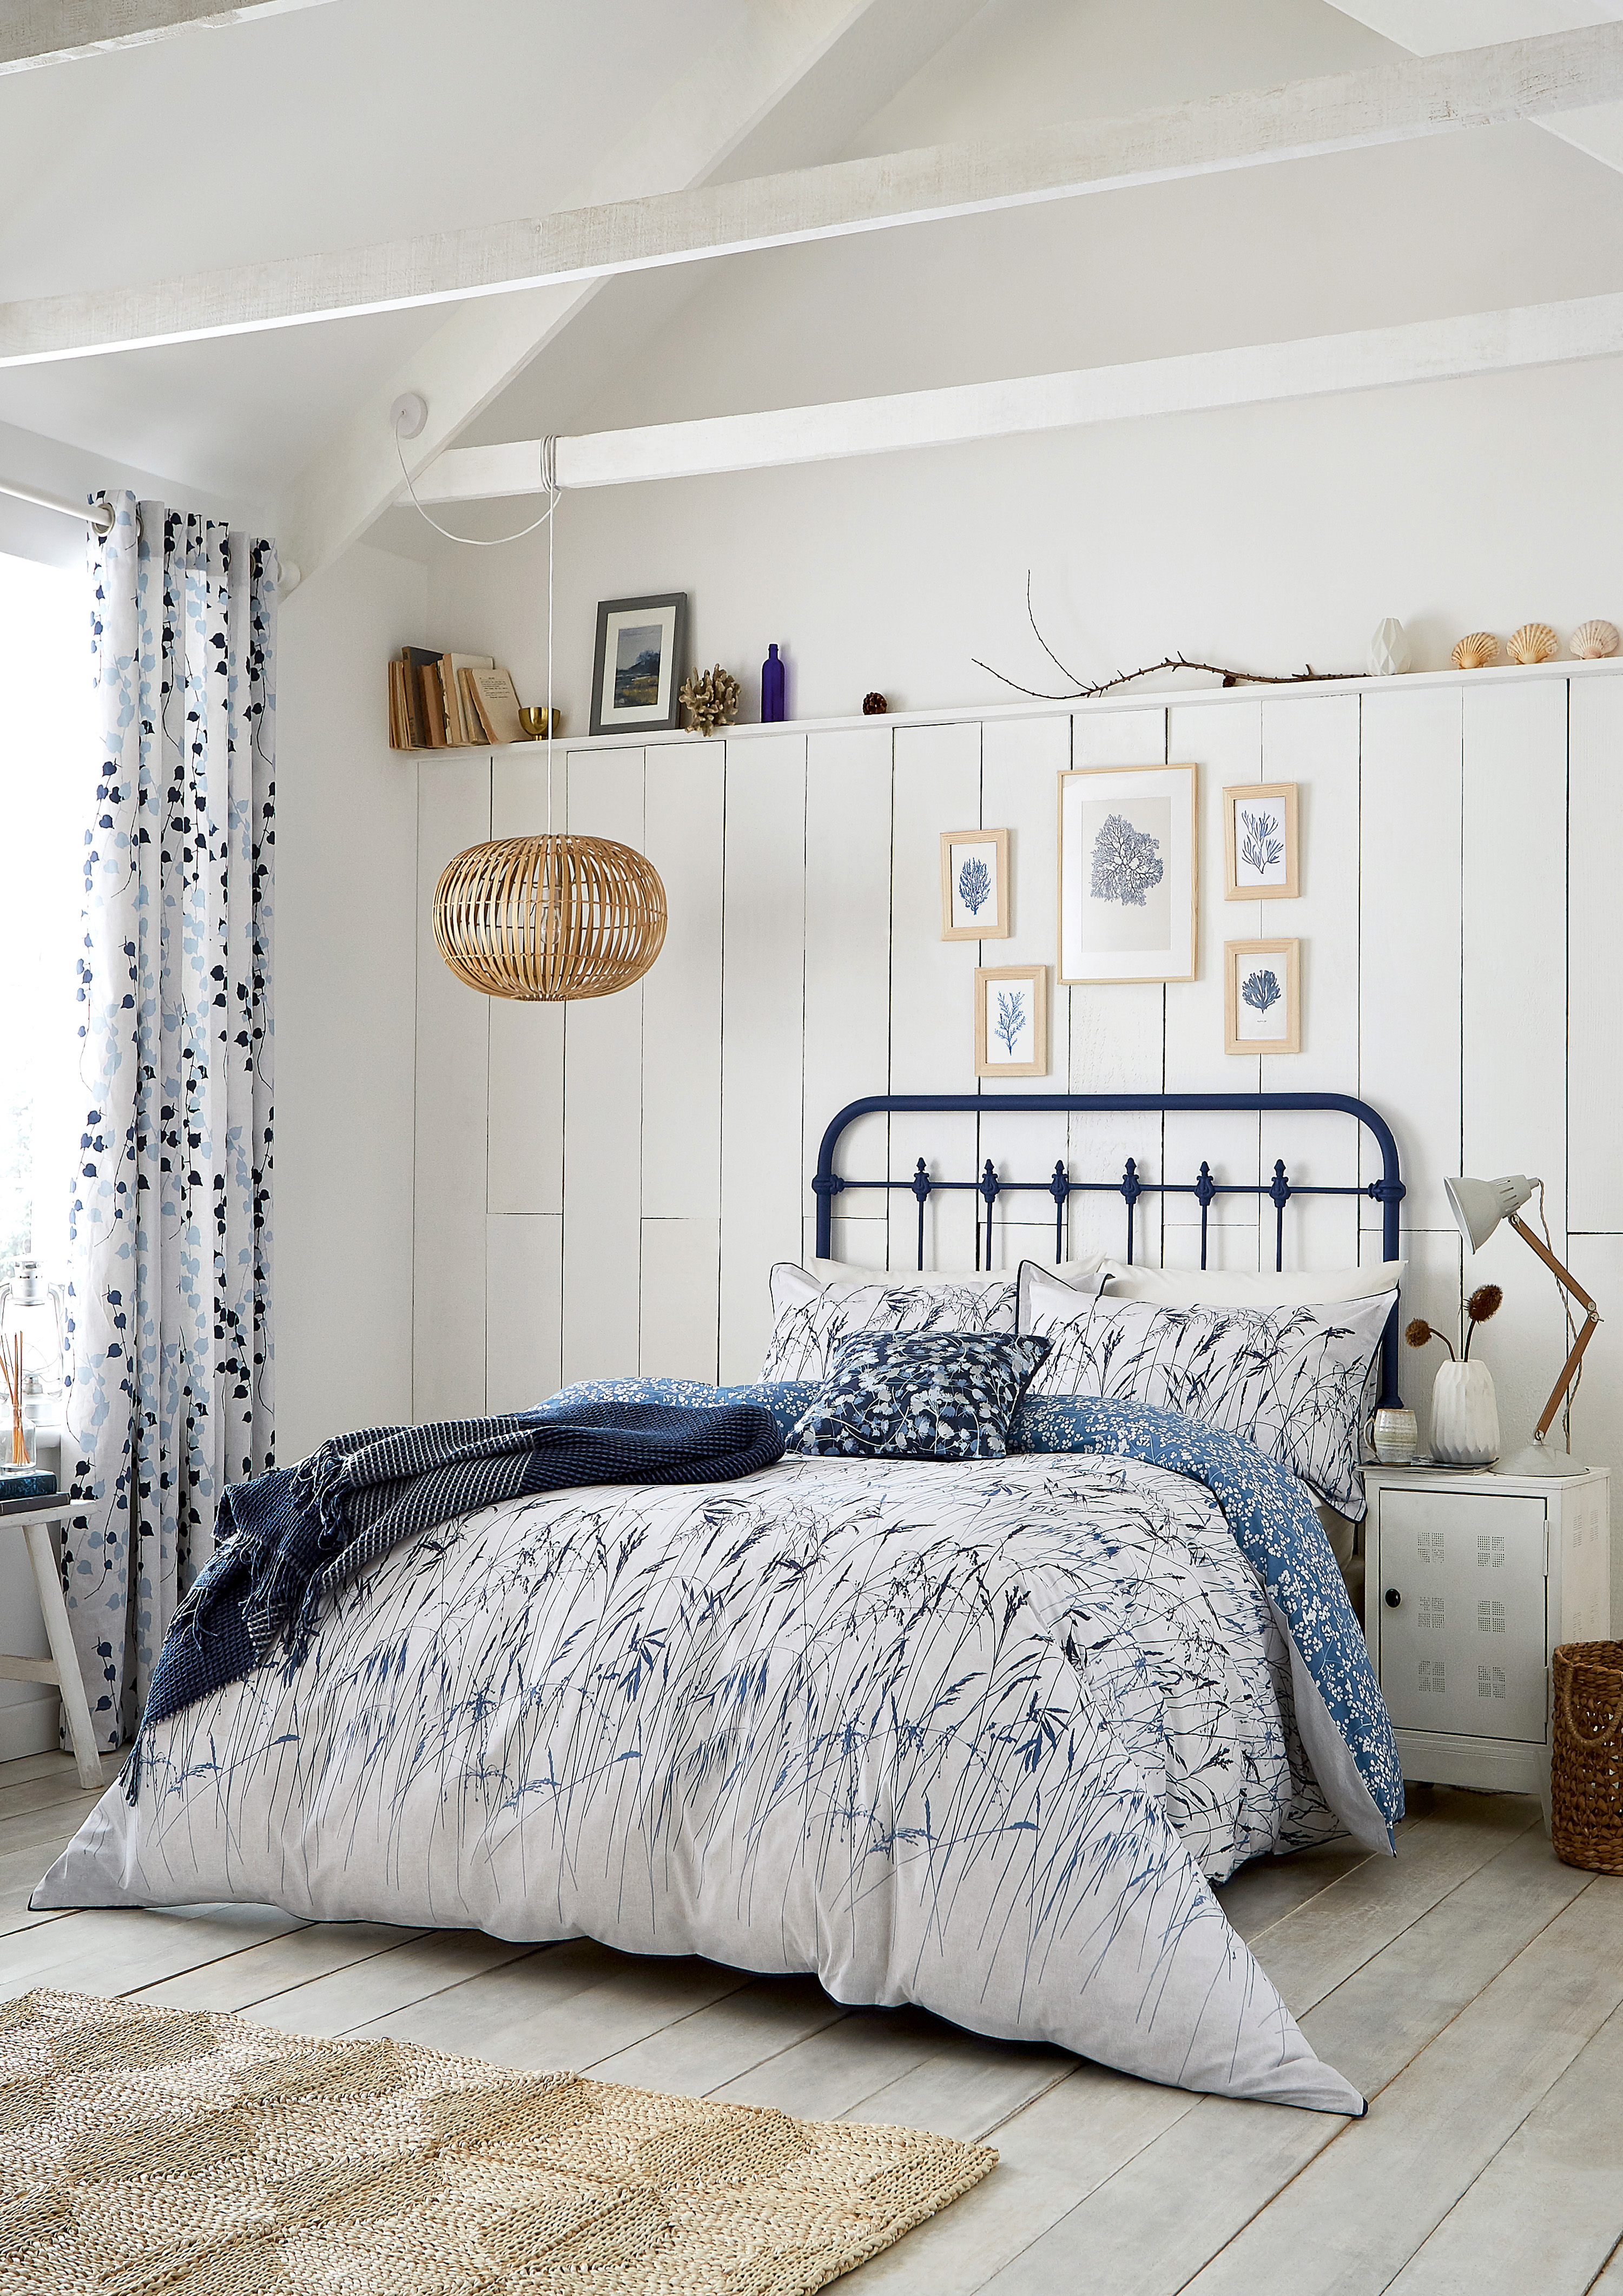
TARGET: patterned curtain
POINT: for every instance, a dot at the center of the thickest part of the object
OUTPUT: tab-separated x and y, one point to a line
170	1393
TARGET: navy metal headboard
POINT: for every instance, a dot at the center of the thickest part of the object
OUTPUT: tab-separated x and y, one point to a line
1387	1191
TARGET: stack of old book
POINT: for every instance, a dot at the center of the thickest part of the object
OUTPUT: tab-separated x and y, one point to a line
449	701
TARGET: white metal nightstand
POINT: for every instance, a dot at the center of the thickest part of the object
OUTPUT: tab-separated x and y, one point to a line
61	1668
1471	1581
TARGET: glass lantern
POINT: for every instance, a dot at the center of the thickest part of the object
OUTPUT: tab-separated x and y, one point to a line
36	1312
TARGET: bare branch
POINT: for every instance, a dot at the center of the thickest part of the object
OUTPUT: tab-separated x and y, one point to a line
1080	691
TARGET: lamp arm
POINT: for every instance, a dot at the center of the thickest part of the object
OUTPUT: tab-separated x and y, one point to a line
1563	1276
1569	1282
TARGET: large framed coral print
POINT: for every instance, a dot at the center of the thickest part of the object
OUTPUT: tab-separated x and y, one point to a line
1127	848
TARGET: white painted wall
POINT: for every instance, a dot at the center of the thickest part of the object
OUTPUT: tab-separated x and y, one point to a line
601	1188
345	1005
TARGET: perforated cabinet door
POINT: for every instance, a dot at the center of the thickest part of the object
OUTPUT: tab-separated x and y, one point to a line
1462	1647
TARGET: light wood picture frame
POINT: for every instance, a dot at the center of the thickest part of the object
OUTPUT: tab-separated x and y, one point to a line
1010	1020
1129	847
1262	997
1259	846
975	884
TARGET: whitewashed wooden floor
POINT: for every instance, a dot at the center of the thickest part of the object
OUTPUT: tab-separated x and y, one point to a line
1473	1987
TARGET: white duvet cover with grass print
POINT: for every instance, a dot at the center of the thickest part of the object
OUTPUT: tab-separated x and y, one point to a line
973	1735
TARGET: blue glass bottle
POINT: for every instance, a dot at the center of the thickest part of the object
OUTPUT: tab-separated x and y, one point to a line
772	688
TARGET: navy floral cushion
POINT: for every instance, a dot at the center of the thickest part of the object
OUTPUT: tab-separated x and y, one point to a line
918	1395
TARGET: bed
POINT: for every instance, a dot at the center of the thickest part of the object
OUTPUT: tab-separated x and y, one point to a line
979	1734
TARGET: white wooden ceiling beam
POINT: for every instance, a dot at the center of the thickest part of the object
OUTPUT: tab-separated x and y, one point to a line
1394	102
1427	27
1428	350
701	118
37	32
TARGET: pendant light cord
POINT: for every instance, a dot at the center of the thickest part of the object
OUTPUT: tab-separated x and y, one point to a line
549	479
549	465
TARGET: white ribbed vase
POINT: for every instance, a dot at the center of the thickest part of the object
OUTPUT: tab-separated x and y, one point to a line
1465	1415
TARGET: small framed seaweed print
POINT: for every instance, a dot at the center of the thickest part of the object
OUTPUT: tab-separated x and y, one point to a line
974	884
1011	1021
1128	851
1262	996
1259	843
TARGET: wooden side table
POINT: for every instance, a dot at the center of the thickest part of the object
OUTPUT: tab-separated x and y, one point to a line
61	1668
1471	1581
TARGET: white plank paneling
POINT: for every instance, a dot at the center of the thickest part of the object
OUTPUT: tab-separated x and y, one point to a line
1118	1034
1227	746
1020	762
1595	1171
1597	1413
762	1037
526	1173
848	968
602	1149
1409	995
932	1039
804	967
452	1065
523	1309
1315	743
681	1285
685	799
1513	1048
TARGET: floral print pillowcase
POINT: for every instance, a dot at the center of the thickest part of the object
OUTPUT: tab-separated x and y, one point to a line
913	1395
1289	1379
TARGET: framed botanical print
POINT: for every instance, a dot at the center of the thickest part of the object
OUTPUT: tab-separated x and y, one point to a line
640	663
1262	997
974	884
1011	1021
1127	849
1259	843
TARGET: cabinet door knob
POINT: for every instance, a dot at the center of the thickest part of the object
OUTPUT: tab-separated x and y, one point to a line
1393	1598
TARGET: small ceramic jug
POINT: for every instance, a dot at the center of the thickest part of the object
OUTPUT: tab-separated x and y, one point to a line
1465	1415
1393	1435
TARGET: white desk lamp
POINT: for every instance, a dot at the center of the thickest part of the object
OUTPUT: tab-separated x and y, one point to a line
1478	1207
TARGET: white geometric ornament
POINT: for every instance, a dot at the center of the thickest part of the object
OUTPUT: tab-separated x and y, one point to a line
1388	650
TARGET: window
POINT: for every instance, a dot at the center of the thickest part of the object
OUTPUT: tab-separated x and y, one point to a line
46	724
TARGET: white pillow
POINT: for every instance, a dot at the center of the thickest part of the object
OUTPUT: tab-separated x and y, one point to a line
978	1279
1289	1376
810	1319
1211	1287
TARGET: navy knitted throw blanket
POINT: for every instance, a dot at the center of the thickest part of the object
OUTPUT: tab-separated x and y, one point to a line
288	1540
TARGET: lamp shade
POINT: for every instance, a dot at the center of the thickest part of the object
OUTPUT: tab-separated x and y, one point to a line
1480	1205
549	919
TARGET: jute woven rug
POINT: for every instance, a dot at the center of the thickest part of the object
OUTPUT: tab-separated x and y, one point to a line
177	2153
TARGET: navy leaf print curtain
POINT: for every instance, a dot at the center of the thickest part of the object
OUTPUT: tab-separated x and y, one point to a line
170	1391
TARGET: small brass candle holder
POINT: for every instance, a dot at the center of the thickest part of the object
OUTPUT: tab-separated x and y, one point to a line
533	722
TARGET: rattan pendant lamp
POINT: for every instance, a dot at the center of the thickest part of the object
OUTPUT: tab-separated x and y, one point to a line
552	918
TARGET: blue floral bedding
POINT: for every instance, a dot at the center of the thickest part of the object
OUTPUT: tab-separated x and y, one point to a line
975	1735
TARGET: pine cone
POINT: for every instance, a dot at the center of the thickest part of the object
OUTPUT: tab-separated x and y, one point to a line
874	705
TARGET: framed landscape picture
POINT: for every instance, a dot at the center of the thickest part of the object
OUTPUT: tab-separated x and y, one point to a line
1011	1019
1259	843
1128	850
974	884
1262	997
640	662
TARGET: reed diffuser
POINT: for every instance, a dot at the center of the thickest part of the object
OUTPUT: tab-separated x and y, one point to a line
11	1370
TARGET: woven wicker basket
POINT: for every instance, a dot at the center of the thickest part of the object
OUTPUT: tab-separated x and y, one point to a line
1586	1761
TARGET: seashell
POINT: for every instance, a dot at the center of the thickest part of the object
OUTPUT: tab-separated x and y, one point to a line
1534	641
1593	641
1476	651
